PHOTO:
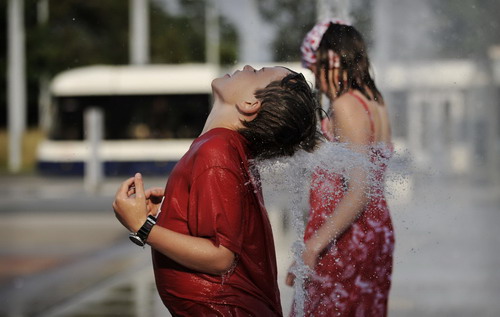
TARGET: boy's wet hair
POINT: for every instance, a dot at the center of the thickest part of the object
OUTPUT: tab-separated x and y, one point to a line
286	121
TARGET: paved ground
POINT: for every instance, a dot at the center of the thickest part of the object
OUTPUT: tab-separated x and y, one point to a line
447	258
447	254
448	250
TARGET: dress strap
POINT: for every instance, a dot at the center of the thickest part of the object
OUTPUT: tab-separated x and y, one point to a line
365	105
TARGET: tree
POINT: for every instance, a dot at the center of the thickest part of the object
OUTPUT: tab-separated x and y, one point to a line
80	33
182	38
293	19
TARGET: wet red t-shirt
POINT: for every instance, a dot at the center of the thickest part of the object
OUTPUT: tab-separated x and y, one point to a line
211	194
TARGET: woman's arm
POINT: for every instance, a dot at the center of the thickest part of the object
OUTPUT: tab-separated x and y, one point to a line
352	126
192	252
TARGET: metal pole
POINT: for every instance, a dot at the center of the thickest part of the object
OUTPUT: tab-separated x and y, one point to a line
16	83
44	117
94	134
415	128
139	32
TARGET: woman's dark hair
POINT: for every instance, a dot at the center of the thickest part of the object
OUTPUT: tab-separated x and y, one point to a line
286	121
348	44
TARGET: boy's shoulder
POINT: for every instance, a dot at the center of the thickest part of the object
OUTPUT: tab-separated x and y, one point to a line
222	148
219	140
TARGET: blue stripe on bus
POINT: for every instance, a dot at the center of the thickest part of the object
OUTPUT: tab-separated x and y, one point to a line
110	168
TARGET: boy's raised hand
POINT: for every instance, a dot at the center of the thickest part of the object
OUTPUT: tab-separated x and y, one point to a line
130	203
154	197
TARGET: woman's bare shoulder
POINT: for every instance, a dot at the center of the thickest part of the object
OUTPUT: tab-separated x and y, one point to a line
348	105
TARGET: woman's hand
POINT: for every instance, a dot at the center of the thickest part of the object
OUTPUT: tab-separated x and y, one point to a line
130	203
154	198
311	254
310	257
290	277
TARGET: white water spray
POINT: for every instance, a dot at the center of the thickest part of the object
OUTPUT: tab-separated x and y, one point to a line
292	176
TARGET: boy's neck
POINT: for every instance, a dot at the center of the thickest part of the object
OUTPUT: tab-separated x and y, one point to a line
222	116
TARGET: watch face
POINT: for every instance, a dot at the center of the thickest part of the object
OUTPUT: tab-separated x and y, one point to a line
135	239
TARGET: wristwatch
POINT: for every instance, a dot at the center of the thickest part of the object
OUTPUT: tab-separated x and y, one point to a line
141	236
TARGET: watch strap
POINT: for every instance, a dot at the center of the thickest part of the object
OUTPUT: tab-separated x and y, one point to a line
141	236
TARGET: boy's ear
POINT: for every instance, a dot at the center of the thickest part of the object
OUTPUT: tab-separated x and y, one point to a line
249	108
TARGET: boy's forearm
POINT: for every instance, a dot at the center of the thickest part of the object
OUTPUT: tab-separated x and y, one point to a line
196	253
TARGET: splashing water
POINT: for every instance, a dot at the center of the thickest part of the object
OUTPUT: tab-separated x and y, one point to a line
292	175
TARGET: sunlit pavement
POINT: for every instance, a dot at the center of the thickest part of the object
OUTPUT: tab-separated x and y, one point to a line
447	253
448	250
49	220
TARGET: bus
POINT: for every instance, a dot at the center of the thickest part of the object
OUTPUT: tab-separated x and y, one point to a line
151	114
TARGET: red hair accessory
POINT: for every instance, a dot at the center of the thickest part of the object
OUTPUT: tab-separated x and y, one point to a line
312	39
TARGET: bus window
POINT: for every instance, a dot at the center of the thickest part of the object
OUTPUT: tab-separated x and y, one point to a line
134	117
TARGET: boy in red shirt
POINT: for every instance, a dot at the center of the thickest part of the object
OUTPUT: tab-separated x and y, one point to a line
212	244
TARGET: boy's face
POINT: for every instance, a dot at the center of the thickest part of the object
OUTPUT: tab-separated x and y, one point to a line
240	87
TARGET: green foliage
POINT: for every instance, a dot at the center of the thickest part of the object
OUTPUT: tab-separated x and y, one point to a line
175	40
80	33
294	19
96	32
228	45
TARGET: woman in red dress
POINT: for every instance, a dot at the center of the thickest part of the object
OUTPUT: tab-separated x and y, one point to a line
349	238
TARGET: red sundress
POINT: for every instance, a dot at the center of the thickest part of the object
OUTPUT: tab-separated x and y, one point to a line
353	275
